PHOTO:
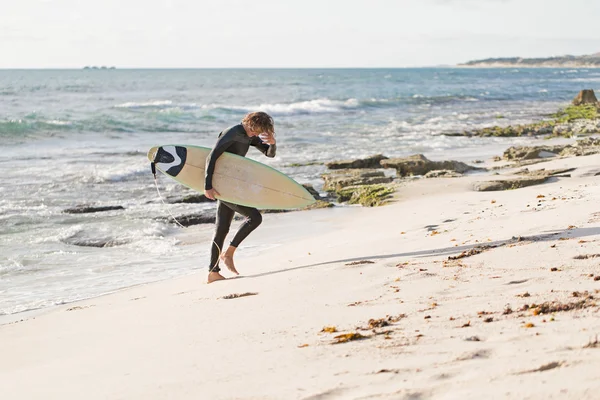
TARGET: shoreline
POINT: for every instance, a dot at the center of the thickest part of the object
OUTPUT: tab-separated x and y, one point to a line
383	273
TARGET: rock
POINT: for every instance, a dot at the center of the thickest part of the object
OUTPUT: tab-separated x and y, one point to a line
312	191
507	184
193	198
532	152
443	173
191	219
369	162
585	96
419	165
83	209
366	195
339	179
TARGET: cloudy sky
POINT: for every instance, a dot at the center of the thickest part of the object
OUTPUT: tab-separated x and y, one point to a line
289	33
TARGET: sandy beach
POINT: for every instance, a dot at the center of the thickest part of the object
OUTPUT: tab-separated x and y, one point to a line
513	316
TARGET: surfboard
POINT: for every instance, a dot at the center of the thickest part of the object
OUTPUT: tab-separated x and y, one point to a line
238	179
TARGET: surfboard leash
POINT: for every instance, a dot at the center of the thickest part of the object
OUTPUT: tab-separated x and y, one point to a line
153	168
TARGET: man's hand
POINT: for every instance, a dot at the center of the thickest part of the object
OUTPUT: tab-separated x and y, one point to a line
267	138
211	193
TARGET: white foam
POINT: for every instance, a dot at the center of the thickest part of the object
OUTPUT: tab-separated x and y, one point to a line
155	103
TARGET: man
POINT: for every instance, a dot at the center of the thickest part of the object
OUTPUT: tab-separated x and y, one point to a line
256	129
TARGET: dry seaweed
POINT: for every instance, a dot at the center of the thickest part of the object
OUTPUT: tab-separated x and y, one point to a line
238	295
545	367
361	262
348	337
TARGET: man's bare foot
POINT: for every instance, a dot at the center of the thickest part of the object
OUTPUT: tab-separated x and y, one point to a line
215	276
228	261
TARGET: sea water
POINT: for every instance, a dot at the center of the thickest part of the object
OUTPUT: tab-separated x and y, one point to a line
80	137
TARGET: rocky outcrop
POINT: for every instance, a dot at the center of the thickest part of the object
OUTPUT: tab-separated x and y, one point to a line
339	179
369	162
507	184
366	195
443	173
84	209
586	96
419	165
582	147
526	178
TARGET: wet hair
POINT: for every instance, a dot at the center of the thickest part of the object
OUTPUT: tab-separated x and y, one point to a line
259	122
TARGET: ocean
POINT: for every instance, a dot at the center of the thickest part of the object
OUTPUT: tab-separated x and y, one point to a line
80	137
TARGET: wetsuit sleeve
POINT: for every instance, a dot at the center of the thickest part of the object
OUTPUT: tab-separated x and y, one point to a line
267	149
223	143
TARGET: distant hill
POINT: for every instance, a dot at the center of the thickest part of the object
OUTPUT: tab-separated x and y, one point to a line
588	61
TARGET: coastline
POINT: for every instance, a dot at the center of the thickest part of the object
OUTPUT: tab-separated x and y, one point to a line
385	269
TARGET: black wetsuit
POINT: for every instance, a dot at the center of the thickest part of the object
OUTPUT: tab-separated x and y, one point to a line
232	140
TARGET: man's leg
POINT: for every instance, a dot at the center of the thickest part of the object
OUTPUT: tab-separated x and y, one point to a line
253	220
223	220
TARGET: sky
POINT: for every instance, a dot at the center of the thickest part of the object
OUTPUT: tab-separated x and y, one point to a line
289	33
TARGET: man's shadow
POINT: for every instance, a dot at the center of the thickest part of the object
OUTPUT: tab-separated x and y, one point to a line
546	236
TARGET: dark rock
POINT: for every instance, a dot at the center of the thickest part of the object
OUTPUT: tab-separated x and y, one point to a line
193	198
192	219
586	96
369	162
312	191
419	165
83	209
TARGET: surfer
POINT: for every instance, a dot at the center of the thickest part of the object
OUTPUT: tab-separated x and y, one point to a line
256	129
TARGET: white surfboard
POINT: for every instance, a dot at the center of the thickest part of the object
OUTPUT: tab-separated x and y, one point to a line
238	179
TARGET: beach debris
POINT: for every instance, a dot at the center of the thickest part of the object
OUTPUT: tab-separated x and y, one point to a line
593	344
361	262
238	295
472	339
597	278
388	371
348	337
554	269
507	310
468	324
529	325
586	256
474	355
545	367
303	345
489	319
555	306
329	329
78	308
473	251
526	294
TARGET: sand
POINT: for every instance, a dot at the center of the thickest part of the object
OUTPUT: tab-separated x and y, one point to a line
431	327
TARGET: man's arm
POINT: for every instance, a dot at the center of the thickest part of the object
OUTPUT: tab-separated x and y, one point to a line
222	144
267	149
